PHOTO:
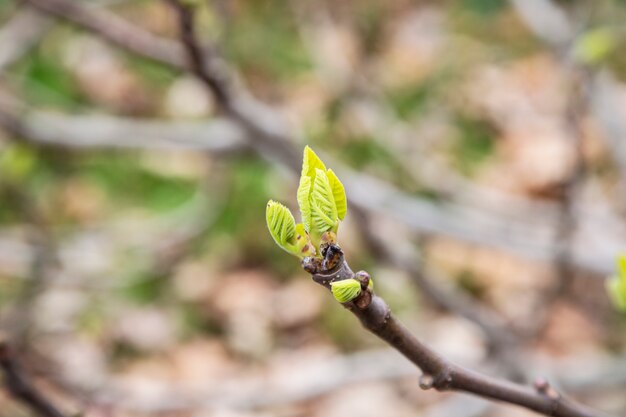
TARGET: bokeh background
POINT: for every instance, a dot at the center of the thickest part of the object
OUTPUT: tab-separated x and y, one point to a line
482	144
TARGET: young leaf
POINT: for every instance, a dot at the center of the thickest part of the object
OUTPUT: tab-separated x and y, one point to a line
311	162
324	211
339	194
304	201
345	290
281	225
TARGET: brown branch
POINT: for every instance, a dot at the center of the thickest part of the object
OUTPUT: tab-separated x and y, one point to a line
20	386
268	134
502	340
116	30
215	80
438	373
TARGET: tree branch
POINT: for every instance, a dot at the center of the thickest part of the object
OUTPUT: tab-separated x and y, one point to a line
116	30
438	373
502	340
20	386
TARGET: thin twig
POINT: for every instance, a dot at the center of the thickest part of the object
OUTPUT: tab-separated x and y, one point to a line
115	30
196	55
20	386
439	373
502	341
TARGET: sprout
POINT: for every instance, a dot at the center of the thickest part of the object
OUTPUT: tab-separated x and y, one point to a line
289	236
322	201
345	290
321	196
323	204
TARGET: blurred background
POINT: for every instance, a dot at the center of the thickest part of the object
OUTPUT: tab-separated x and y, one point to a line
481	143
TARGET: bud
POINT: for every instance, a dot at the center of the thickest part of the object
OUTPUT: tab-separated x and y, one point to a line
345	290
322	201
321	196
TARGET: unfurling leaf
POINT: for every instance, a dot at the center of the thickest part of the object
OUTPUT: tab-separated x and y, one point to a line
324	212
321	196
304	201
345	290
281	225
322	201
311	162
339	194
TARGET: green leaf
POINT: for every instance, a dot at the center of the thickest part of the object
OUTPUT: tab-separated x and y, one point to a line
311	162
324	211
339	194
304	201
345	290
281	225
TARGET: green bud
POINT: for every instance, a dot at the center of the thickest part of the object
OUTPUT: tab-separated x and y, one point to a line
323	204
345	290
321	196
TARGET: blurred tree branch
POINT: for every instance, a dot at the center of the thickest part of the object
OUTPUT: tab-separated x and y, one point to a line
20	386
22	31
